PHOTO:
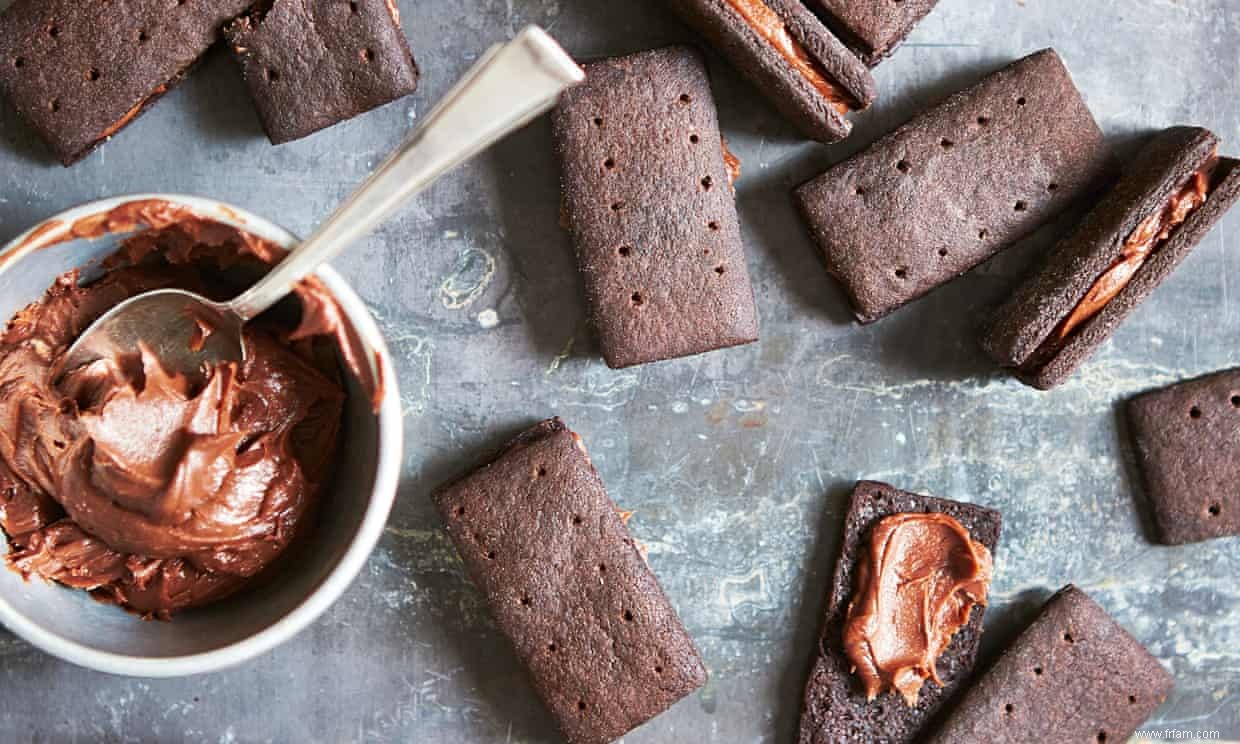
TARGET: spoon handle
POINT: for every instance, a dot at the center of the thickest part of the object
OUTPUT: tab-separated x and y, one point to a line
510	85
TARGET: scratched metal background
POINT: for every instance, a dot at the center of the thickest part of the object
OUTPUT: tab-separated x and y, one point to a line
737	463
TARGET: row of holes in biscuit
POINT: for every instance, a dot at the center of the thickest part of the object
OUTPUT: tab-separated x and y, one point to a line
272	75
53	30
526	601
905	166
1215	508
1068	638
685	99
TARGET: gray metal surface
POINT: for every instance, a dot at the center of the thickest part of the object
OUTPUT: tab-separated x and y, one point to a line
737	463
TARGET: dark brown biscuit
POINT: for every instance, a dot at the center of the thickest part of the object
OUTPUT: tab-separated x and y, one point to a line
1073	675
78	72
646	199
1020	329
874	28
955	185
545	545
789	91
313	64
836	709
1187	438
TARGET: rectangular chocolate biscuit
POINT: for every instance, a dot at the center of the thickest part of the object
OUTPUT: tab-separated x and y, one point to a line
79	72
955	185
1127	245
835	707
874	28
545	545
646	198
1073	675
1187	438
312	64
785	51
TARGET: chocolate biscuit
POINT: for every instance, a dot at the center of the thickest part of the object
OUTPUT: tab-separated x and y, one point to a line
545	545
311	64
874	28
1028	332
955	185
835	708
1187	439
79	72
646	197
754	55
1073	675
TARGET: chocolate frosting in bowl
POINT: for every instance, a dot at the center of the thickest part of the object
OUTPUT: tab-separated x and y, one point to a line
122	479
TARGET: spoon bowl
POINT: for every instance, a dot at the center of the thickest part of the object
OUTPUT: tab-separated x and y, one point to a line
188	333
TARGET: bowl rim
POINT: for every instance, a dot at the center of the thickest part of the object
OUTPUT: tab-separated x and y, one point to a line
383	492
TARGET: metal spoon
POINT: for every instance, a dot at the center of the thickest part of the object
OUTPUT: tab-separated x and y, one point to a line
510	85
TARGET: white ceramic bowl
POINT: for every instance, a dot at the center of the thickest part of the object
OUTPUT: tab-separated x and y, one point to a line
353	510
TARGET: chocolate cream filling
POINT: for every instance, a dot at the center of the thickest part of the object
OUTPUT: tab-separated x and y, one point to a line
767	23
917	581
124	480
1143	242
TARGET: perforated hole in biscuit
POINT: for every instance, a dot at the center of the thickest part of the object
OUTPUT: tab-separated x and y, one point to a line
685	98
1009	708
1194	412
540	471
1021	101
628	616
982	234
901	273
720	269
54	105
609	163
637	299
625	250
1215	509
581	705
19	62
694	139
1102	737
352	7
983	121
53	30
460	511
1021	206
946	143
271	75
707	182
1235	401
1067	638
577	519
715	226
1037	671
1052	187
598	121
617	206
552	648
368	55
903	166
526	601
143	37
942	252
93	74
